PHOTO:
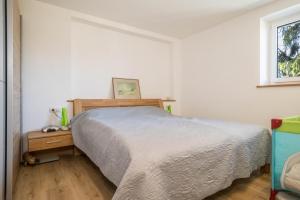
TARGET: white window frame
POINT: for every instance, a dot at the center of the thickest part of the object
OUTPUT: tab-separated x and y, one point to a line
273	47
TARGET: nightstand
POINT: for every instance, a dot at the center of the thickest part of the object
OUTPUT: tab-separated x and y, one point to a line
44	147
38	140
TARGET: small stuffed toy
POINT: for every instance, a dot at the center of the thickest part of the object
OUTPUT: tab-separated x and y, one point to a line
29	159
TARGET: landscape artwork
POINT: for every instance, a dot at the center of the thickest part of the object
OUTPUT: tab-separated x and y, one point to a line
126	88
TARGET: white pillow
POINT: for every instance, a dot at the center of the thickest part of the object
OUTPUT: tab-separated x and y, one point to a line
294	172
292	178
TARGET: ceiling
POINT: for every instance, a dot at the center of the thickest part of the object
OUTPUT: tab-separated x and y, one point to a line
177	18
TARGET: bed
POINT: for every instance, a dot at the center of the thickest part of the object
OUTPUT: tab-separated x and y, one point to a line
151	155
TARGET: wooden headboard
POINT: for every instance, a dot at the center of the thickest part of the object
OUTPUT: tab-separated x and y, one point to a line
80	105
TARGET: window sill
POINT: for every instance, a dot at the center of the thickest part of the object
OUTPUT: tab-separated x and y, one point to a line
278	85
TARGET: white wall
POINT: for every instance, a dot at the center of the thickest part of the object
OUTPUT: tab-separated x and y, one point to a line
68	55
99	53
221	70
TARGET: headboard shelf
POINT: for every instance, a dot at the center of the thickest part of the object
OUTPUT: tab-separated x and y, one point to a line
81	105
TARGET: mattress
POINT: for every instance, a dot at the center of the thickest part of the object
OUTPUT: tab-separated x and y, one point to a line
151	155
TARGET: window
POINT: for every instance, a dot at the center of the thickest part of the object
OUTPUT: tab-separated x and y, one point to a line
280	47
286	52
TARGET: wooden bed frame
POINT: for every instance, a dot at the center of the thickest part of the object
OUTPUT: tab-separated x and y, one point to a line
81	105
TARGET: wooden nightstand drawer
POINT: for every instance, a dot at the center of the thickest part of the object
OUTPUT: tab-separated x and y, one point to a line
49	142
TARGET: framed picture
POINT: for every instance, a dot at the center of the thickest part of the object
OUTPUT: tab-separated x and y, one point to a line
126	88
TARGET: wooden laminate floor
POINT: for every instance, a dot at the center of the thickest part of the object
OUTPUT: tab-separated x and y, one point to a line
77	178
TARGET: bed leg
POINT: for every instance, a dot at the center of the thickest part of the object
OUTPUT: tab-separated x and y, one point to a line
76	151
265	169
273	194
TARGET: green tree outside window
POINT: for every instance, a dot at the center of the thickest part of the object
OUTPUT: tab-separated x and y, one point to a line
288	50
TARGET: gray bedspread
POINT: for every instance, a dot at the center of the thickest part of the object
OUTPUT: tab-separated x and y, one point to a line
151	155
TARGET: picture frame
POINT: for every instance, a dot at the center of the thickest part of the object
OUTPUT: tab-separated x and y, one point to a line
124	88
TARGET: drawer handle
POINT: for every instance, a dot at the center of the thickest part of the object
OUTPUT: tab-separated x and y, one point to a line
55	141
